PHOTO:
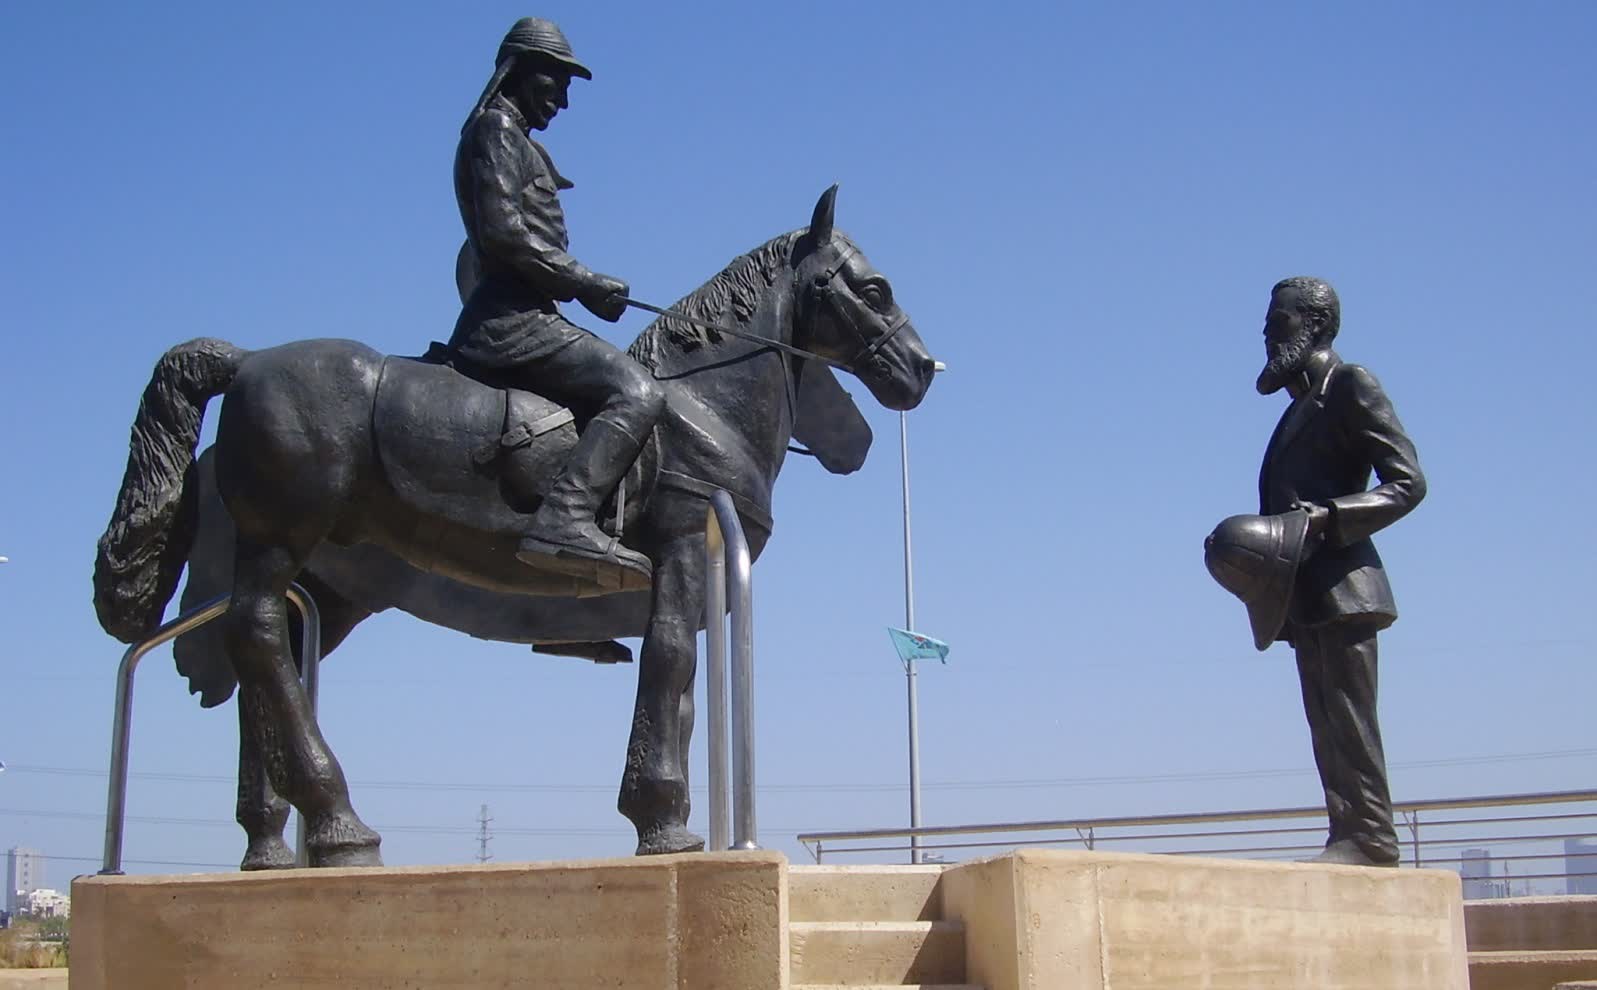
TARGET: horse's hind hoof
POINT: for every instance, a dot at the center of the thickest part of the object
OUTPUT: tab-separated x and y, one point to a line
268	854
671	839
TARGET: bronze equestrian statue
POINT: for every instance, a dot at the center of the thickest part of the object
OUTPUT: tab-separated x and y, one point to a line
1306	567
394	482
432	484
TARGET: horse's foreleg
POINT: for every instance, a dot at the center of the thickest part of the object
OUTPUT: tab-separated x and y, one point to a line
654	787
273	707
261	812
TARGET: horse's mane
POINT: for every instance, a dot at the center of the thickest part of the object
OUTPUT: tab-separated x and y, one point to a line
730	297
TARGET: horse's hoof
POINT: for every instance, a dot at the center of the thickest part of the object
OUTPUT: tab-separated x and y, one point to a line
343	841
268	854
671	839
346	856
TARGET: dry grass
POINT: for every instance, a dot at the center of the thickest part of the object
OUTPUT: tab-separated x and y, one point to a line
20	950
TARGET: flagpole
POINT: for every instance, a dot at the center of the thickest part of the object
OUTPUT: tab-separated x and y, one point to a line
909	665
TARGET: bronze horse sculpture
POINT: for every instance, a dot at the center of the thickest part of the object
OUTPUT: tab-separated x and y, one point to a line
392	482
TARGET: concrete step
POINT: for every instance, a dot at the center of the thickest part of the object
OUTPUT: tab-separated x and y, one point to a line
1530	970
918	986
33	979
867	953
1531	923
864	893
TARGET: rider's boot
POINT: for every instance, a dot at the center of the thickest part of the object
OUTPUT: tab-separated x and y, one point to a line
562	535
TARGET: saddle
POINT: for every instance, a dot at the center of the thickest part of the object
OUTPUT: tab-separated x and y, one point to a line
501	437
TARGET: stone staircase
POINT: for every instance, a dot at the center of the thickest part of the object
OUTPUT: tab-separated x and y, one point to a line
872	928
1531	943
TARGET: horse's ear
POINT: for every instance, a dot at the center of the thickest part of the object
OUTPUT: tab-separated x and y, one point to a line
821	222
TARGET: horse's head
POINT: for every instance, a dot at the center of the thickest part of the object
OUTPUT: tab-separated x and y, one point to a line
847	313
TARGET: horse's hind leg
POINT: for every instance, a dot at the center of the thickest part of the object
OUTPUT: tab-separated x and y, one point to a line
261	812
273	707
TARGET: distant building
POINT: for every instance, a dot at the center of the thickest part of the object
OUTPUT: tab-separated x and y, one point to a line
24	874
47	903
1580	863
1475	867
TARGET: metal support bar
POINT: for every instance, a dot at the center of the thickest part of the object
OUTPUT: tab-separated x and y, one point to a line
727	565
909	665
1412	820
122	726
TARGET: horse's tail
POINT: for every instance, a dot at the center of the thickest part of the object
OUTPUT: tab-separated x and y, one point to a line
142	552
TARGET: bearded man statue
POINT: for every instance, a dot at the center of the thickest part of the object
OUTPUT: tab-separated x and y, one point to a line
1306	567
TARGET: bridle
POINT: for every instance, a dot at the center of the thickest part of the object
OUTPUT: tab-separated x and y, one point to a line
866	362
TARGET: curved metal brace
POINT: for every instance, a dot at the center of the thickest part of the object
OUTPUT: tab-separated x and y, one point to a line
122	727
727	562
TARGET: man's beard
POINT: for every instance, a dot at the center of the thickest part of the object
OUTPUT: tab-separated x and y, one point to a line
1286	362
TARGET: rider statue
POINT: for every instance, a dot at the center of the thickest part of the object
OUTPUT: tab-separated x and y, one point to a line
511	329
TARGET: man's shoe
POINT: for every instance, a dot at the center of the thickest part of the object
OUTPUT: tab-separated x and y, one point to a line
589	553
1346	852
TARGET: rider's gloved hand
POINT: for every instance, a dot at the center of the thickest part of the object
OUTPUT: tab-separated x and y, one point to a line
602	296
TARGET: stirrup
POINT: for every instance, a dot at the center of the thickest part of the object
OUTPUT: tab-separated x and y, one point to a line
612	568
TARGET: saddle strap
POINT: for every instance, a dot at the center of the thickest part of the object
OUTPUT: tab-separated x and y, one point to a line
521	434
703	489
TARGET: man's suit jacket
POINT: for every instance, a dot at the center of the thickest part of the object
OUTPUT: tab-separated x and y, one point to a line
1323	451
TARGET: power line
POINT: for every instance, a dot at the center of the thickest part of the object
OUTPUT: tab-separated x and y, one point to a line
950	785
141	862
98	816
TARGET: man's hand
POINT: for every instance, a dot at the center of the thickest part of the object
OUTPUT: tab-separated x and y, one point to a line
602	296
1319	522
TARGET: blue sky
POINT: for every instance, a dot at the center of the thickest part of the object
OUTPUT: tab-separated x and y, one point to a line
1083	207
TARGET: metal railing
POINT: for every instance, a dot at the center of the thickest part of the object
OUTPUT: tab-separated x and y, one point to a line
727	563
1435	833
122	726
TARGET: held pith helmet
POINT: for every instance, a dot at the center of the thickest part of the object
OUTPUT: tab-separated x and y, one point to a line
1256	558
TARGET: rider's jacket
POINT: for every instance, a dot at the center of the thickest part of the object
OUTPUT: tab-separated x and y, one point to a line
508	191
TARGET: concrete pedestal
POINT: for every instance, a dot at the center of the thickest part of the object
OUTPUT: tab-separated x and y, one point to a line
1048	920
663	923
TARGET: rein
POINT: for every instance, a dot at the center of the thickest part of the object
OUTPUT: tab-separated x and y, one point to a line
866	353
731	331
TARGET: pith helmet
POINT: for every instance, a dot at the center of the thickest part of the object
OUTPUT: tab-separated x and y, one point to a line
528	36
534	35
1256	558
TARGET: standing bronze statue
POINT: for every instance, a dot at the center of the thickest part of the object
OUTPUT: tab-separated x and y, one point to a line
1306	567
511	331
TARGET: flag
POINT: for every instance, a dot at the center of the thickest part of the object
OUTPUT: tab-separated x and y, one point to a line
913	646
